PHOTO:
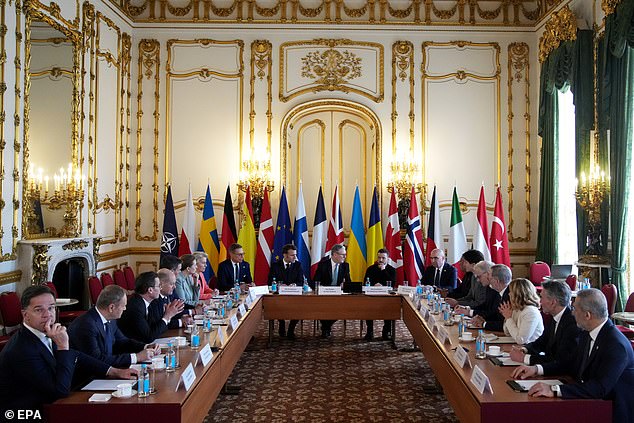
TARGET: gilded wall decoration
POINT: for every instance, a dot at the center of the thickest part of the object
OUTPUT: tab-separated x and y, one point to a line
75	245
261	68
402	69
69	16
561	27
10	277
40	264
298	12
331	65
519	76
148	74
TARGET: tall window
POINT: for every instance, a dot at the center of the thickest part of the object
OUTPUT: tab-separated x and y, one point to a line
567	220
630	239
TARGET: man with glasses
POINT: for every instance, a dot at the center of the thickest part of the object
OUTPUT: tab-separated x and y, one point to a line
234	269
37	364
440	274
465	290
332	271
478	291
168	296
142	322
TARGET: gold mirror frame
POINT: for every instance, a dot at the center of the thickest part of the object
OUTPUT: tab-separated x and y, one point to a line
71	226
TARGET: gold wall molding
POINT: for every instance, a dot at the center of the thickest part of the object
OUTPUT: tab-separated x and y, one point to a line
561	27
10	277
322	134
130	251
403	68
205	74
261	68
375	12
331	64
55	11
148	70
609	6
75	245
519	74
40	263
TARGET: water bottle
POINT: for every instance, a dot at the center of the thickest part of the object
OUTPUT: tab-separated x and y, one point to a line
237	294
586	283
274	286
419	289
206	326
460	326
447	314
367	282
170	358
305	288
481	345
195	338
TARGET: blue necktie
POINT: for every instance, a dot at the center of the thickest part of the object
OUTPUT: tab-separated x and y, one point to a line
109	340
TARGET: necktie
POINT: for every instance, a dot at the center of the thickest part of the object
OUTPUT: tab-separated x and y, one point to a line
237	272
106	327
585	353
437	278
552	334
335	275
49	343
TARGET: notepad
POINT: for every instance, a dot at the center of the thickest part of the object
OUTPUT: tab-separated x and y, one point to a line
106	384
100	398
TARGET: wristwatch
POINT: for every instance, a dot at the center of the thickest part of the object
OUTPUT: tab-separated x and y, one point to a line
556	390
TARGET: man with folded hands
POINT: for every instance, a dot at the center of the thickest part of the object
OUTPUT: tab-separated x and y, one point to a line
475	293
379	274
167	296
287	271
488	315
96	332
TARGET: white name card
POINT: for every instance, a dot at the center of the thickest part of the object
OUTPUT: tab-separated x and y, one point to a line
290	290
256	291
234	322
377	290
424	311
205	355
443	335
431	321
330	290
242	310
221	336
249	301
188	377
406	290
461	357
480	380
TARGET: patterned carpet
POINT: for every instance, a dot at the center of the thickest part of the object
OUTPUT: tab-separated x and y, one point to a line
336	380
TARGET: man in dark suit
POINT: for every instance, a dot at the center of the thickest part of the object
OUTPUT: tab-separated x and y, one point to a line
561	335
140	321
467	265
233	269
603	365
37	364
379	274
96	332
440	274
287	271
332	271
167	281
488	315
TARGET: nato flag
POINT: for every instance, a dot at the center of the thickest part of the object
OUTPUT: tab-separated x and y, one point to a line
169	242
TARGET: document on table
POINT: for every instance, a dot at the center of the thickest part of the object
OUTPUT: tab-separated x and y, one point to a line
525	385
106	384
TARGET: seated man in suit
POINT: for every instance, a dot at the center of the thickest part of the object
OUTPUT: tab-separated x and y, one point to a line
561	335
287	271
488	315
440	274
467	263
171	263
478	273
332	271
233	269
603	365
167	296
37	364
378	274
96	332
140	321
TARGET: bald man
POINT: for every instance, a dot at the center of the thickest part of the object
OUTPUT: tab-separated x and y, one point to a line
440	274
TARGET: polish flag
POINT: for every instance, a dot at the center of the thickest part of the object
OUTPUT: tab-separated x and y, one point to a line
481	235
393	241
188	230
499	239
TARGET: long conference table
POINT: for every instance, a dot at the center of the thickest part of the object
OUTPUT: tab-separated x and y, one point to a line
469	405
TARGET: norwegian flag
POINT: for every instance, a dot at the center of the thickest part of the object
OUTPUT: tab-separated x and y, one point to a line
414	257
335	230
393	240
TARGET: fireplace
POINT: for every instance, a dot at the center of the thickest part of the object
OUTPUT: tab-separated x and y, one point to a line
67	262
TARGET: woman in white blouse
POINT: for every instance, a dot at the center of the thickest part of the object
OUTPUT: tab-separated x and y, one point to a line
522	319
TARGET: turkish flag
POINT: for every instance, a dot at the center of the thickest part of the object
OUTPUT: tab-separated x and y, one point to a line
499	239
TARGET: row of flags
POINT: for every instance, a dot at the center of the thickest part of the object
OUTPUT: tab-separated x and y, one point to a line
409	259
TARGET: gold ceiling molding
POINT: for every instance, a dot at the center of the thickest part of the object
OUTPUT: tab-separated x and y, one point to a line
403	68
609	6
261	59
561	27
509	13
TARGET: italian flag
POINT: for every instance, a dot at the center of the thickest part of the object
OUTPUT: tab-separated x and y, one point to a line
457	236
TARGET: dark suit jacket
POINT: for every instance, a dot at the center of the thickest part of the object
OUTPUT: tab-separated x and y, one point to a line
158	309
608	372
489	310
376	275
31	376
136	325
323	274
463	288
293	274
225	274
556	347
87	335
448	277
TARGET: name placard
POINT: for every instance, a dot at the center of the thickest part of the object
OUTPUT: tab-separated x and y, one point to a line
242	310
377	290
249	301
480	380
431	321
205	355
187	377
221	336
443	335
424	311
406	290
256	291
290	290
330	290
461	357
234	322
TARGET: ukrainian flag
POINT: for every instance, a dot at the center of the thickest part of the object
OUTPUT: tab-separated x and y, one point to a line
208	239
374	236
357	251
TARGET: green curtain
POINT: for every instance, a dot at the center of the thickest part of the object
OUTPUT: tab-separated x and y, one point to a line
582	87
618	100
